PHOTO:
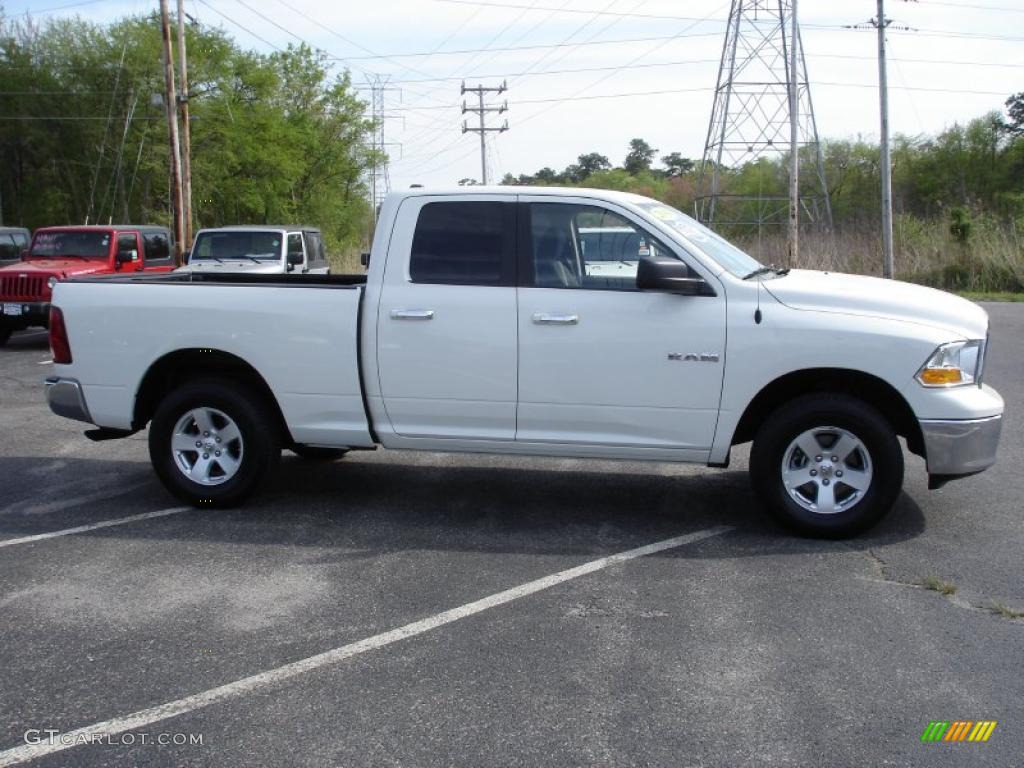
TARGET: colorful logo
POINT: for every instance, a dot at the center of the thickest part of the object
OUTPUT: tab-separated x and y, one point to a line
958	730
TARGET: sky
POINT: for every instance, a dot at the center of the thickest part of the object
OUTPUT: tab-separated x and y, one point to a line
589	75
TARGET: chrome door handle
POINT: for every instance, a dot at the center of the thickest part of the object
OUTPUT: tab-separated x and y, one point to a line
412	314
543	318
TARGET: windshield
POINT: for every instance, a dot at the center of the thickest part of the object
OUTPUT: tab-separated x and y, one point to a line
86	245
237	245
722	251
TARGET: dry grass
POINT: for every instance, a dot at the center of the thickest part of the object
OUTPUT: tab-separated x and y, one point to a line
1006	611
935	584
924	252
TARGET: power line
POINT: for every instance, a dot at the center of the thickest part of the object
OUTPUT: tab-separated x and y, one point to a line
533	47
56	8
700	89
650	65
240	26
588	11
972	6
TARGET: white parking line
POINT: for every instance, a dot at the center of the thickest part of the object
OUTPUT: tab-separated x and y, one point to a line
145	717
93	526
47	507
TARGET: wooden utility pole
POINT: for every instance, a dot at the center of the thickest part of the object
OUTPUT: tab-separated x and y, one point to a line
794	141
886	158
481	111
186	132
172	129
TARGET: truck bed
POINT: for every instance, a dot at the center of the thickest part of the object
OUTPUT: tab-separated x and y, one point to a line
299	332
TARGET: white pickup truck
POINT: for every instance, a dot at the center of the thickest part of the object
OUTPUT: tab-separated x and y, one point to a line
478	329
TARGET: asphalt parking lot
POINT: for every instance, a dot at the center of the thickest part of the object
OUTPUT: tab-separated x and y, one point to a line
268	632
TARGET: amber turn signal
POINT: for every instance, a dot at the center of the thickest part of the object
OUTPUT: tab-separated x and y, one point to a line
940	376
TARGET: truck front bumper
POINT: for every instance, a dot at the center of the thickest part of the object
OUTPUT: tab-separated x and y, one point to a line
959	448
66	399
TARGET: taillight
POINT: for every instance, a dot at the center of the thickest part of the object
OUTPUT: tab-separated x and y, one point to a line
59	344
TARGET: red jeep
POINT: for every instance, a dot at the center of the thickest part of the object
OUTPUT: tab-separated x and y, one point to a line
57	253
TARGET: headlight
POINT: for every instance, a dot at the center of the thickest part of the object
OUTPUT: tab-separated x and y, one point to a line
953	365
52	281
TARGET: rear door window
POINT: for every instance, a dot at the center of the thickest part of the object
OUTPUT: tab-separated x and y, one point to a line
295	244
157	246
464	243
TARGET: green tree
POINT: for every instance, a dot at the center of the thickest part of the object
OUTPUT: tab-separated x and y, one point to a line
1015	110
274	138
639	158
592	162
676	165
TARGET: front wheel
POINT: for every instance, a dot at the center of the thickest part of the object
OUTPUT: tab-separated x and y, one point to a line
827	465
212	443
5	335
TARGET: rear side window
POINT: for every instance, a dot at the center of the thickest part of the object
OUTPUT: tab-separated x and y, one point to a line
315	250
464	243
157	246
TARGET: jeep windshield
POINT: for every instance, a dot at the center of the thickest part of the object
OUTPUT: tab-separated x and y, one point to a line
719	249
227	246
61	245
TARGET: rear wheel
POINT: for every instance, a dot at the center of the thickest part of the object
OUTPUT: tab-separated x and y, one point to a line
313	453
827	465
212	443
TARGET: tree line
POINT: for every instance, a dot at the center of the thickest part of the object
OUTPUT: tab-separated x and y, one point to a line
963	172
83	136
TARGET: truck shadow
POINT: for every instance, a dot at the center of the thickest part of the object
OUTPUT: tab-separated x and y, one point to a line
33	338
388	503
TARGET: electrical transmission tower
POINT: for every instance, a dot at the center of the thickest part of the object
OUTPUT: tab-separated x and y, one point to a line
482	111
380	180
751	118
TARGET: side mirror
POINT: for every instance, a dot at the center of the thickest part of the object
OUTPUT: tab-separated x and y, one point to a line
185	255
24	254
364	259
670	276
294	259
126	257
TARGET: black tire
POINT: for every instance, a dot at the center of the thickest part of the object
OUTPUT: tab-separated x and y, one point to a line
313	453
5	335
259	446
815	414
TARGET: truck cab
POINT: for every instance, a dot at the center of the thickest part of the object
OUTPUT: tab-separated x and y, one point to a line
261	250
59	253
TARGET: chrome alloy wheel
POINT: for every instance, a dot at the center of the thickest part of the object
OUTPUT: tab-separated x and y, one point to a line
207	446
826	470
